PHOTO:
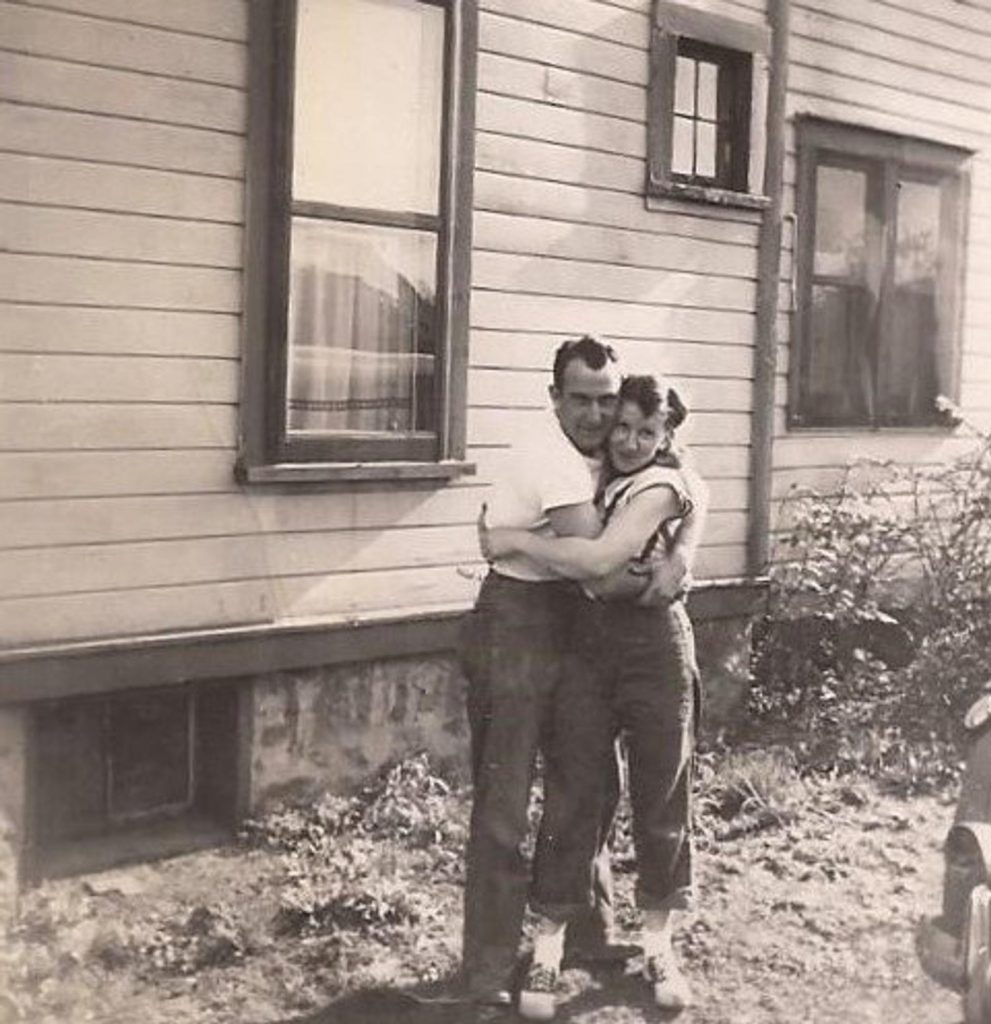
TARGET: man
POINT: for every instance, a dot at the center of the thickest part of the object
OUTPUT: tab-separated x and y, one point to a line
527	692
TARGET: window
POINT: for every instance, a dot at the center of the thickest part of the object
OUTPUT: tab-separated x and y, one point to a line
359	236
880	255
120	764
707	106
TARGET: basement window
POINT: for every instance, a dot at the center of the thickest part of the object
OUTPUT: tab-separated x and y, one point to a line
131	775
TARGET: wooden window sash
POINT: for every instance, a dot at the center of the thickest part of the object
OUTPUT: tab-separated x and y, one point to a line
738	44
266	443
893	159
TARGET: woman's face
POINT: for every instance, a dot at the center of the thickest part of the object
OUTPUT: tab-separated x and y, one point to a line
635	438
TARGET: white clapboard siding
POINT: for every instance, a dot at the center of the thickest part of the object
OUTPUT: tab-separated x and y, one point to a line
507	76
586	17
35	572
216	605
532	236
119	519
503	193
627	319
88	474
532	159
81	37
46	181
557	47
528	390
498	349
500	426
105	139
122	158
217	19
547	276
51	83
48	426
90	378
546	123
118	331
114	236
820	20
93	282
911	21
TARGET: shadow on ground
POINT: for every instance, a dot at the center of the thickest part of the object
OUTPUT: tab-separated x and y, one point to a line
585	995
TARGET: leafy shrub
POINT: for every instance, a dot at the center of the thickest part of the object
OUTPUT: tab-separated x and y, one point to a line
879	630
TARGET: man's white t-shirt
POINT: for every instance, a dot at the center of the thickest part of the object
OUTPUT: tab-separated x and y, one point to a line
542	472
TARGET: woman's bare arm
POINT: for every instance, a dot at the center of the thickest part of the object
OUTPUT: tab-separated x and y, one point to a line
582	558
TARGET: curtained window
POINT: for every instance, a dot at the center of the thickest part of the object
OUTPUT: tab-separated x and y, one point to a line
880	254
357	349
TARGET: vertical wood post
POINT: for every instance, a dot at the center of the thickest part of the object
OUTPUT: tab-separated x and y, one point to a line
768	278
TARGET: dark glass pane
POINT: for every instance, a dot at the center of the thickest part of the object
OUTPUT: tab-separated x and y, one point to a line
917	253
838	381
362	329
841	222
71	775
149	754
907	376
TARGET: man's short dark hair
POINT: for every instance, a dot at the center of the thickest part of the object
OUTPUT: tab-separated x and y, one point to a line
589	350
645	392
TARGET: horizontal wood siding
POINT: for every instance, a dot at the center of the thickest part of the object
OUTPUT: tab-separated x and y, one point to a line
919	68
122	163
564	244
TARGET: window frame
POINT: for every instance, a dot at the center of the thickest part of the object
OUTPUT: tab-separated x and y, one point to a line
267	452
742	49
894	156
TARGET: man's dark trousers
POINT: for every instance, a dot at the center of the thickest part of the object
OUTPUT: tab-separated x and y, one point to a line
528	691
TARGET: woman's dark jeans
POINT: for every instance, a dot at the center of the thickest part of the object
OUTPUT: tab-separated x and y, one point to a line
645	658
529	689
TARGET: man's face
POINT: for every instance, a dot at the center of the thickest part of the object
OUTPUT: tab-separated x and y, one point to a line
585	404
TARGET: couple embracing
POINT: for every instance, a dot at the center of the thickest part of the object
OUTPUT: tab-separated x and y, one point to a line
579	636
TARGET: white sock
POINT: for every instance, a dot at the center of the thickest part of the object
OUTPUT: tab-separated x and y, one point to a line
548	943
656	935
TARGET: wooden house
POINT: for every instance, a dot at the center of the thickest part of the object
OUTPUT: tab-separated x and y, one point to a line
281	280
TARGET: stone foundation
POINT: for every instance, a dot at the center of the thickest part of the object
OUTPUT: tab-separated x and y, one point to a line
332	727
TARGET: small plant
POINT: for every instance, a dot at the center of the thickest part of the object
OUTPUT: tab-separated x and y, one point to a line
341	854
753	789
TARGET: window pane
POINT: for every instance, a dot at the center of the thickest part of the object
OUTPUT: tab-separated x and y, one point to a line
705	149
683	146
908	372
838	381
708	85
684	86
917	252
362	329
149	754
368	103
841	222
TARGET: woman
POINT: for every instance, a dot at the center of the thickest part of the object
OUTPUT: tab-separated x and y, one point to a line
645	657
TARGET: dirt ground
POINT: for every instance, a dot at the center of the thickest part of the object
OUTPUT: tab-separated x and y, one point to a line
812	920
